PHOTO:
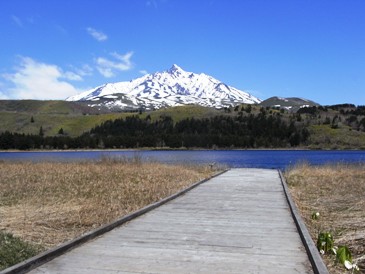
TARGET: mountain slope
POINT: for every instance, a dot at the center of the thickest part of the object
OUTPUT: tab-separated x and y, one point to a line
45	107
173	87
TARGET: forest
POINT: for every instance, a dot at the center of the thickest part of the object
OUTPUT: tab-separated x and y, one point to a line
251	131
241	127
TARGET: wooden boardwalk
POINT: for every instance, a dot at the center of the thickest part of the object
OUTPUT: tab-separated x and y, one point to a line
238	222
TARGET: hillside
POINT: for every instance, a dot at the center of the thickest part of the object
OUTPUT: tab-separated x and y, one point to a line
292	104
330	127
27	116
45	107
335	127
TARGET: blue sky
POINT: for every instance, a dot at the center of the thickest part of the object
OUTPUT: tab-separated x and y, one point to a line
52	49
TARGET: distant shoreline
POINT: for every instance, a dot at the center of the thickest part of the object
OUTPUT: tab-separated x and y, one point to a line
238	158
178	149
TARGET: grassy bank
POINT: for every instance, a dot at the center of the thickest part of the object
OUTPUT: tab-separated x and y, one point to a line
337	192
49	203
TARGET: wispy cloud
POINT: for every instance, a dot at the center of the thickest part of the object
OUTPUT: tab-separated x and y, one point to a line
85	70
155	3
36	80
108	67
17	21
3	96
98	35
72	76
61	29
256	93
143	72
152	3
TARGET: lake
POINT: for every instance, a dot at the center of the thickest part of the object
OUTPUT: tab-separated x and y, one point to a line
278	159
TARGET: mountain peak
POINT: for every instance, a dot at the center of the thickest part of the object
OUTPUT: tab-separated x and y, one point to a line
174	69
172	87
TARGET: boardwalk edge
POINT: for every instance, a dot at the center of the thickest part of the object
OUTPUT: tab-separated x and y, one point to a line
49	255
315	258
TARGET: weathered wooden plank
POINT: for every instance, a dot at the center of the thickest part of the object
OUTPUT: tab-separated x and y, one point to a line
246	248
244	228
238	222
257	223
173	261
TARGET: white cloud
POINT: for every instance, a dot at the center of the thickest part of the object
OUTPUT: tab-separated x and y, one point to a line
107	67
36	80
143	72
98	35
106	72
69	75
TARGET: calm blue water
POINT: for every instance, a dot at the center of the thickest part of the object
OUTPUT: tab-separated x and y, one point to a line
231	158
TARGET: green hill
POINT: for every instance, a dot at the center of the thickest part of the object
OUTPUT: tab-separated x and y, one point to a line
27	116
330	127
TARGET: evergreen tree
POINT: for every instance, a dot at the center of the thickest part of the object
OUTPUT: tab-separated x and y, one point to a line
41	133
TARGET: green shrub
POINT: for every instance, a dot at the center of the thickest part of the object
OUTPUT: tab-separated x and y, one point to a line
13	250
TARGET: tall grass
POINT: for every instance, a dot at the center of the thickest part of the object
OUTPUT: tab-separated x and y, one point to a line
337	192
48	203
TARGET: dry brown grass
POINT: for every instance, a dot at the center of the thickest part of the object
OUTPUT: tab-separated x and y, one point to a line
337	192
50	203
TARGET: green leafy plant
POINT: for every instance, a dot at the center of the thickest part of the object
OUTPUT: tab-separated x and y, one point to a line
325	242
343	256
315	215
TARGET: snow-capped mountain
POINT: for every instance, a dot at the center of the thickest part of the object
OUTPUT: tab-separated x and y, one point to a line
173	87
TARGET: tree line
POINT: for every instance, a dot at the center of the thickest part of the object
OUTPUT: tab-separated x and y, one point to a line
347	114
251	131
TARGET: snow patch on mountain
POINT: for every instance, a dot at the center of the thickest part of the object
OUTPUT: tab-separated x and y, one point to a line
173	87
290	103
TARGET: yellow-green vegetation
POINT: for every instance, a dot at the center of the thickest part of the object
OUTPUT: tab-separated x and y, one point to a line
28	116
35	106
336	192
49	203
343	137
73	125
331	127
182	112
